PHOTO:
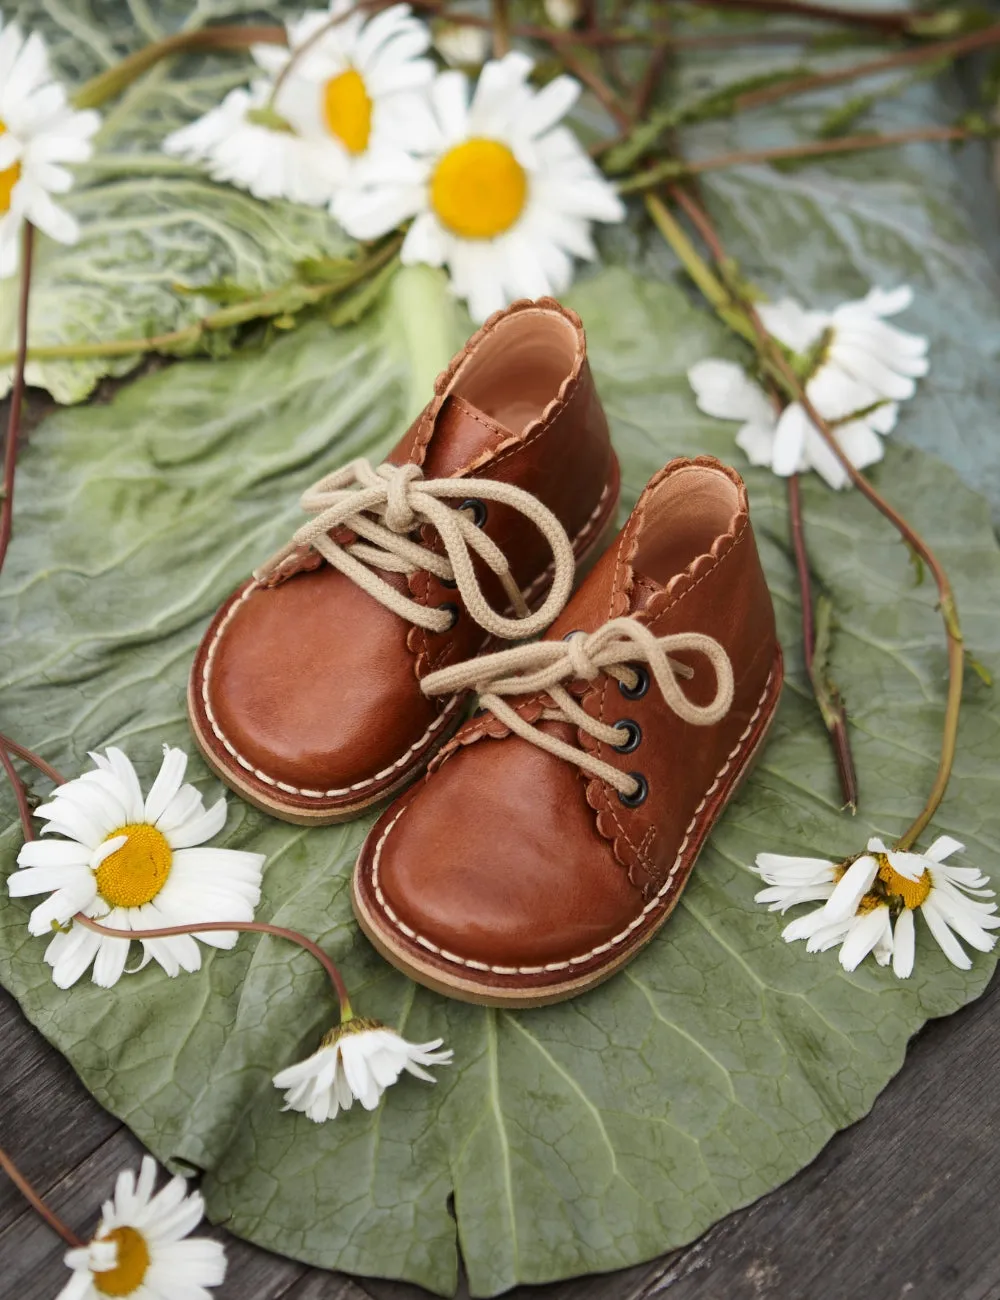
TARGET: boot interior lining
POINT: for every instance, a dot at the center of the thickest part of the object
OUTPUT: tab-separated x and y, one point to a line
688	510
519	367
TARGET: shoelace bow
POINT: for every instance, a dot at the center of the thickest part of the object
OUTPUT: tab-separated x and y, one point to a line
385	504
546	665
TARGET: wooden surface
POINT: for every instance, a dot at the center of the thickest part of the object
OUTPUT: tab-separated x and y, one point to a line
904	1205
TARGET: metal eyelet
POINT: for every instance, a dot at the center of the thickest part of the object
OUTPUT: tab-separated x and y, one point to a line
634	800
477	509
634	736
454	611
641	686
570	635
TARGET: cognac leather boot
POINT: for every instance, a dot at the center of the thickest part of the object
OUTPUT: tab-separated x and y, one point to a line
553	835
305	695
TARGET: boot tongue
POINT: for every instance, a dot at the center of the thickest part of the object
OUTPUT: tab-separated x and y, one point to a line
462	433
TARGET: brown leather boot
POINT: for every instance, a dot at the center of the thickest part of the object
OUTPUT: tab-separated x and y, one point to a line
553	835
305	694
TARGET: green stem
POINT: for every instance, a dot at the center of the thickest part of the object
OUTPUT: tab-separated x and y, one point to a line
698	269
276	302
106	85
776	365
672	169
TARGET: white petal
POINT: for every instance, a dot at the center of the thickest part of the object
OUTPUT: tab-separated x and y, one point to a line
943	847
865	933
903	945
792	324
789	440
724	390
168	782
946	941
199	828
851	888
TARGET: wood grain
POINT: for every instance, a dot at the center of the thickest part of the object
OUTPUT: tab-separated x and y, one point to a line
903	1206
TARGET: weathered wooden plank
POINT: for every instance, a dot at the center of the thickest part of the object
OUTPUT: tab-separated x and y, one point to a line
902	1205
48	1122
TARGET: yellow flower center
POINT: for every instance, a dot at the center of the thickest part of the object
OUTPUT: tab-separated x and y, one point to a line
347	110
912	892
135	873
8	178
478	189
133	1261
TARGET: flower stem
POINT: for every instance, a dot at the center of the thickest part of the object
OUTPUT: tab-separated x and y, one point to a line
276	302
884	20
937	50
20	794
29	756
36	1202
672	169
698	269
781	372
828	698
98	90
16	395
244	927
501	28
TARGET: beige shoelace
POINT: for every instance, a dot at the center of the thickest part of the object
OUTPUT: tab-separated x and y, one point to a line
546	665
383	505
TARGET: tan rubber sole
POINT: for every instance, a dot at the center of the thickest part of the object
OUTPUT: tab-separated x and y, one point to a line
325	815
524	997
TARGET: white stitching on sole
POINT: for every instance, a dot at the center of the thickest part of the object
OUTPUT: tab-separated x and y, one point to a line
651	906
445	715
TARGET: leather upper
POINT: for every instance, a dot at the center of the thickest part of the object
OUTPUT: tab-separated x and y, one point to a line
509	860
308	685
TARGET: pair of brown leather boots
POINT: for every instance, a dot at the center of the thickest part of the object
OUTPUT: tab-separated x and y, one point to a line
554	830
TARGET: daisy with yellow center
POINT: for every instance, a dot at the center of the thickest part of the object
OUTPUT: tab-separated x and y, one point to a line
869	903
141	1247
349	80
137	863
343	88
500	193
38	133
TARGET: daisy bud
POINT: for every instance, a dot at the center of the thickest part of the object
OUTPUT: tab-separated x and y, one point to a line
461	45
562	13
357	1060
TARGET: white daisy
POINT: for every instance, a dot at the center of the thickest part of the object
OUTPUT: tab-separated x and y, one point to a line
562	13
269	161
351	83
135	863
501	195
461	44
856	368
358	1059
38	132
870	901
139	1248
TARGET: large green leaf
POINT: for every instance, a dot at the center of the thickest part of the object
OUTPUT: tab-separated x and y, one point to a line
150	223
581	1137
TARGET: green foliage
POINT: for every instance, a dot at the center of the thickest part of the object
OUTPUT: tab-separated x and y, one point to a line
605	1131
580	1137
150	222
